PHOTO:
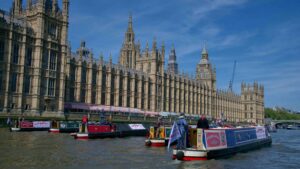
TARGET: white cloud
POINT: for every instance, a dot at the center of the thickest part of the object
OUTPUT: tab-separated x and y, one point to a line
211	5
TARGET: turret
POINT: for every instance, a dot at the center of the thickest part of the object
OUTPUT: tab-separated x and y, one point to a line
163	51
204	53
129	35
154	49
172	64
65	10
17	7
128	51
110	59
41	6
147	49
28	4
54	6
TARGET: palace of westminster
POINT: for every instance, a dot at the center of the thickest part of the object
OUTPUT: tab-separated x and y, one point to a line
39	73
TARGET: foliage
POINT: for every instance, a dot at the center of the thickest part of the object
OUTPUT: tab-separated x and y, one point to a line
280	115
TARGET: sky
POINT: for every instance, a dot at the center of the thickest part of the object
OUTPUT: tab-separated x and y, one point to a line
261	35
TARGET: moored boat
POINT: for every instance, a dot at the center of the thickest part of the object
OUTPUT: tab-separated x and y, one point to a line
158	137
100	130
292	127
54	130
96	130
31	126
64	127
216	143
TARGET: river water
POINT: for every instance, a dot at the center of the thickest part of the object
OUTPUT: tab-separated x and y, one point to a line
42	150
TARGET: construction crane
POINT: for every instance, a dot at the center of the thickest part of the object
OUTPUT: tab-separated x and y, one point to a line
232	77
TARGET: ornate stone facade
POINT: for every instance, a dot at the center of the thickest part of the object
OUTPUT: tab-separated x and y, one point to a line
39	72
33	52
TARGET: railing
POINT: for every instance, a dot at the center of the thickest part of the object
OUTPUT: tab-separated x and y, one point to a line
126	118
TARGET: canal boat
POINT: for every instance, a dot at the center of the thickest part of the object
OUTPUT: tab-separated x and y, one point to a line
158	137
292	127
30	126
95	130
217	143
102	130
64	127
271	128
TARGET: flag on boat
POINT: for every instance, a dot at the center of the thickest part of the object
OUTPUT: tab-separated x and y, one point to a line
174	135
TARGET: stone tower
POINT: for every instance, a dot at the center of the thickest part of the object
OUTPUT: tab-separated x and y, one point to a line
172	64
129	51
205	72
253	101
36	57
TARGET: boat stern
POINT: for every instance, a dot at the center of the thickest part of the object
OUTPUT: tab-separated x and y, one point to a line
189	154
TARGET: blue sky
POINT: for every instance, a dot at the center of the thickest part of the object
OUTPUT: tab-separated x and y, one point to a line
262	35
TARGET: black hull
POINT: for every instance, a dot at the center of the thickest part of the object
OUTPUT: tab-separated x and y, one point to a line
214	154
129	133
68	130
118	134
34	129
104	135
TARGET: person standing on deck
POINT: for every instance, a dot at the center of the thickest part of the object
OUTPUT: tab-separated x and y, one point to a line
84	123
157	127
203	122
183	128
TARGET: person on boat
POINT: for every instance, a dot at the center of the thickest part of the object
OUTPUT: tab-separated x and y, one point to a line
84	122
8	122
157	126
203	122
182	142
18	122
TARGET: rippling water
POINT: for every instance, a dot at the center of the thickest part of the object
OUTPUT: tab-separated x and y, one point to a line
42	150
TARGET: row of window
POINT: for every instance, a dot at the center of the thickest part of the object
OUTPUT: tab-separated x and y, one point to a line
16	54
27	84
51	58
28	58
14	83
13	105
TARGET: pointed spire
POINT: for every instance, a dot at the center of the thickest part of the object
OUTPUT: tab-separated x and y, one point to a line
90	56
54	6
129	35
101	56
130	23
147	46
29	4
172	64
204	50
17	7
110	58
154	44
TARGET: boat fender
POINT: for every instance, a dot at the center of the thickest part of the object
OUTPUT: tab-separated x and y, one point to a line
180	155
148	143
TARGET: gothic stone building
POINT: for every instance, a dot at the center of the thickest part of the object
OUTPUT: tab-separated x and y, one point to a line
33	48
39	73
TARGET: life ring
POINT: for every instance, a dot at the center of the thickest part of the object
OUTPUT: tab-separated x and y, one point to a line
148	143
180	155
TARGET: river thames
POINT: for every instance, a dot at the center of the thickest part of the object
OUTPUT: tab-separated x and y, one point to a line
43	150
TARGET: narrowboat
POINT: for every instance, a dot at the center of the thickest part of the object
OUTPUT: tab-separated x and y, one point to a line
102	130
158	137
217	143
31	126
64	127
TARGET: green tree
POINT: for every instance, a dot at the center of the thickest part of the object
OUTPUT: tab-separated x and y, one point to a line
280	115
